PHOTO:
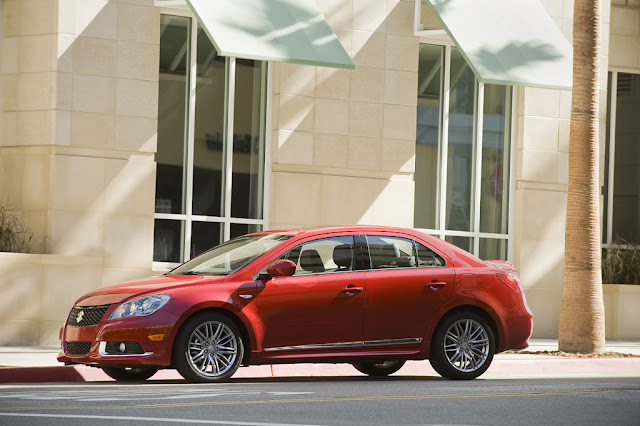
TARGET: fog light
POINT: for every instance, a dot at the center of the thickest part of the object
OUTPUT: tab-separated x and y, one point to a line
122	347
156	337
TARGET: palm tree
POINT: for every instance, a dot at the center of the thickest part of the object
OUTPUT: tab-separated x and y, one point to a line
582	310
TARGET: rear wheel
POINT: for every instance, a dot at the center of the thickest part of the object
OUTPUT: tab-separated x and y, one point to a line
379	368
129	373
462	347
208	348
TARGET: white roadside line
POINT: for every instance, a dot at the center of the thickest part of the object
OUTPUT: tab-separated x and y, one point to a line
149	419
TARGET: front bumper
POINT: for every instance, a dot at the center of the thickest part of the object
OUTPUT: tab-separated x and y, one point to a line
133	329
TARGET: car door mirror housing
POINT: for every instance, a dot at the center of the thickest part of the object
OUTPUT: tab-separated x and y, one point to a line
281	268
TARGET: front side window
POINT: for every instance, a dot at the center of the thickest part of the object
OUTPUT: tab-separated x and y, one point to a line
326	255
211	144
463	156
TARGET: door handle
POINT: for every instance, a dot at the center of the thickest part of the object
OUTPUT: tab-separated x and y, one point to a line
352	290
435	285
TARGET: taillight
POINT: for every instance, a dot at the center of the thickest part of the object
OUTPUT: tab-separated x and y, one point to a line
511	281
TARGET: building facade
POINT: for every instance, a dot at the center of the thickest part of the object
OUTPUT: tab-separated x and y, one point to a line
129	144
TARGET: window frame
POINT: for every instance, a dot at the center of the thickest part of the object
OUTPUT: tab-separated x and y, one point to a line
440	38
187	218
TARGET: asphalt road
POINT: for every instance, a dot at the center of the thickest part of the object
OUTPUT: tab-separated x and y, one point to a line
328	401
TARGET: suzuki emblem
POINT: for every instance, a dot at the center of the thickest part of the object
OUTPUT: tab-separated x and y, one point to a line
80	316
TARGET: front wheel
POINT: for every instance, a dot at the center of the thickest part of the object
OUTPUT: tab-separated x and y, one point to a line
208	348
129	373
462	347
379	368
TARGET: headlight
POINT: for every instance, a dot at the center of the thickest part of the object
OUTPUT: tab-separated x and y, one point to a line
140	307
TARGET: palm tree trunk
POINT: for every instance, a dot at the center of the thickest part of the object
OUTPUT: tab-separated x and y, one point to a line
582	311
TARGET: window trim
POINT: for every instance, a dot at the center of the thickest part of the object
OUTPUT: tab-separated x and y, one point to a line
512	101
188	218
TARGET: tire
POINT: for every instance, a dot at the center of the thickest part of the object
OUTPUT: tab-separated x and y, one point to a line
379	368
208	348
129	373
462	347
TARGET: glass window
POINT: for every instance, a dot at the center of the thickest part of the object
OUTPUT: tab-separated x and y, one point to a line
461	152
428	136
209	183
390	252
427	258
334	254
462	175
626	167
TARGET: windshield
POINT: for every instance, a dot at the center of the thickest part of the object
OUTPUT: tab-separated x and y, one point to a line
231	256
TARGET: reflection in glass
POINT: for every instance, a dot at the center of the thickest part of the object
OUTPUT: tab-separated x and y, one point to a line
208	144
428	139
248	144
605	187
494	194
238	229
167	241
465	243
626	180
172	112
493	249
461	151
205	235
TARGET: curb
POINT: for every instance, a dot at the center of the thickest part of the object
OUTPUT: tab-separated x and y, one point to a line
548	367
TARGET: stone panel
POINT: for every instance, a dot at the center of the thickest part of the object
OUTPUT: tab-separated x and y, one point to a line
330	150
128	241
296	199
332	116
295	147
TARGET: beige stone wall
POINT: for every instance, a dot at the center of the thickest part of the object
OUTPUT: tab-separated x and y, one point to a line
625	35
79	123
542	165
344	140
38	292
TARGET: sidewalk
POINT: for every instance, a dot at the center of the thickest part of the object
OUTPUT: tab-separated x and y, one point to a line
33	364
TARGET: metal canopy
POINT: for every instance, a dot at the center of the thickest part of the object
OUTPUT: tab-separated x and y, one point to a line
271	30
508	42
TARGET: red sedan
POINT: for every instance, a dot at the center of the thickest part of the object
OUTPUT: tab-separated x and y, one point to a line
366	295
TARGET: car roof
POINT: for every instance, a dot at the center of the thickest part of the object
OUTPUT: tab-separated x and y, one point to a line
340	228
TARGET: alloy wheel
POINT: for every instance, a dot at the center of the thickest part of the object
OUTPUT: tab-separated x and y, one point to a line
466	345
212	349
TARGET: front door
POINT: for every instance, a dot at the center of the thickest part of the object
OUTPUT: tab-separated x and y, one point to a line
321	305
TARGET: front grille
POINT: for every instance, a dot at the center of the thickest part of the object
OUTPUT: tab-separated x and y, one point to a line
77	348
123	348
84	316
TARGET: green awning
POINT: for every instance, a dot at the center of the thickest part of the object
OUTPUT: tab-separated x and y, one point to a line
513	42
271	30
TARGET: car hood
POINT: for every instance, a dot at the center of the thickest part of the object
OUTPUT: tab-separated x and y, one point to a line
118	292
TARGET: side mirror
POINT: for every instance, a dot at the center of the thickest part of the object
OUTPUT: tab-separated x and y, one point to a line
281	268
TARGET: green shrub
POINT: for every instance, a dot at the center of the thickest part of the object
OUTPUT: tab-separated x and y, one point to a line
14	237
621	263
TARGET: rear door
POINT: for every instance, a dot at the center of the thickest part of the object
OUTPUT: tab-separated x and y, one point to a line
407	282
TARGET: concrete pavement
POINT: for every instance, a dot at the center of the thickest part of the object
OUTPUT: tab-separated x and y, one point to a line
38	364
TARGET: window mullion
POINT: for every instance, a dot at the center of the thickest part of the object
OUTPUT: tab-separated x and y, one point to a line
228	169
511	109
445	140
477	164
612	154
186	250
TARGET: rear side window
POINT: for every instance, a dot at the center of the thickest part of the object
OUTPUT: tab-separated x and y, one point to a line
325	255
386	252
